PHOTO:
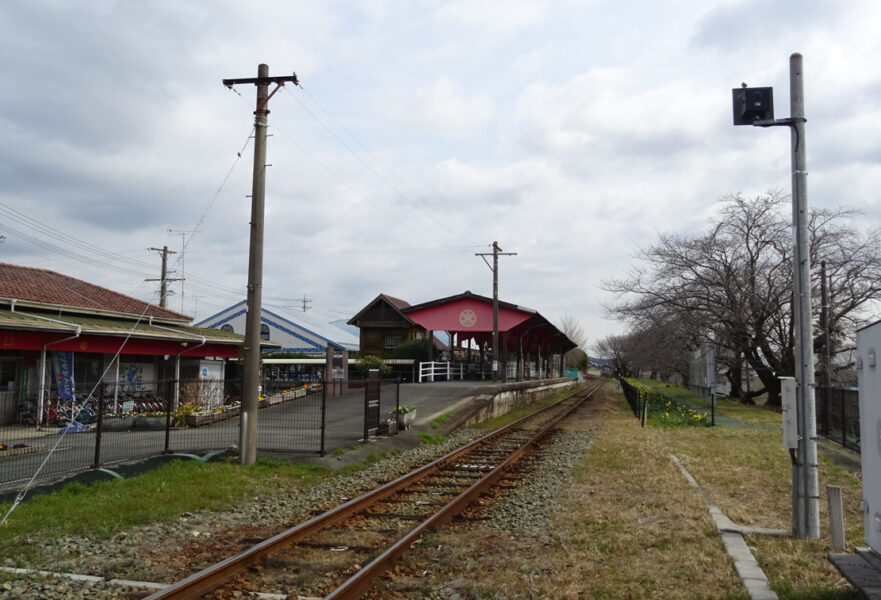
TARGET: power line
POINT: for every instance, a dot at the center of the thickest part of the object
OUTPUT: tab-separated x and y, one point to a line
400	193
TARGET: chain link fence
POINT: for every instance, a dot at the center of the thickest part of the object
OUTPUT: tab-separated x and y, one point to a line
838	415
108	425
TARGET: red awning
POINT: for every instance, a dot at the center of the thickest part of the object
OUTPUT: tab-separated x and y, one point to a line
21	340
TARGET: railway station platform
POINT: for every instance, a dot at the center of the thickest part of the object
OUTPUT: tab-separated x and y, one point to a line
463	402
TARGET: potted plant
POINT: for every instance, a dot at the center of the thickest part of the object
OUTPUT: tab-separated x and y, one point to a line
405	416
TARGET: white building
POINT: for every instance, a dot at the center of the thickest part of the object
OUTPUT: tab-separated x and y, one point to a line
307	334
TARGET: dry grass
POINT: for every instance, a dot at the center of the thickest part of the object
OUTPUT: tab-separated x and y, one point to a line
628	526
748	475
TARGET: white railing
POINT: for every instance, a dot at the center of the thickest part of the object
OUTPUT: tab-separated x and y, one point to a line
440	371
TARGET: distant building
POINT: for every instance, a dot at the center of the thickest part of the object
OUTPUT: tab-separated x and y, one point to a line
383	327
302	333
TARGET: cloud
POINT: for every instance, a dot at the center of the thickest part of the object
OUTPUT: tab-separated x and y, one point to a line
443	109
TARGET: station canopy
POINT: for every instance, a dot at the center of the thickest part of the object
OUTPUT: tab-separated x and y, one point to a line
470	317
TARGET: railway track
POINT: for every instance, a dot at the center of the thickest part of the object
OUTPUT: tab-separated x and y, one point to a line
351	545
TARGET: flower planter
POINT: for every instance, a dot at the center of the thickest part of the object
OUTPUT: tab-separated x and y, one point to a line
149	422
117	423
207	419
10	452
406	419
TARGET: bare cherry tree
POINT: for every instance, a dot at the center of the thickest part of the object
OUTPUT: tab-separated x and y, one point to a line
733	283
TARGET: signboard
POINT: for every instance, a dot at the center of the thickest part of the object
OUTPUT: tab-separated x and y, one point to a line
62	371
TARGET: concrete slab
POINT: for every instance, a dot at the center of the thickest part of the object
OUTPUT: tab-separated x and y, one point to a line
859	573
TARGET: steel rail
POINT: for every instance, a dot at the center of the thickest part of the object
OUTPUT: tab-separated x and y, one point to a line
359	583
214	576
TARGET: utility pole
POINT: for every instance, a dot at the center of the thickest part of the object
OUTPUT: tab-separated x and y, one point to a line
183	254
496	253
809	525
306	303
755	106
251	372
163	280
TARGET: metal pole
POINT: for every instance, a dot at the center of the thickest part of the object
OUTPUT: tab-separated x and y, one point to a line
809	523
495	363
99	426
255	277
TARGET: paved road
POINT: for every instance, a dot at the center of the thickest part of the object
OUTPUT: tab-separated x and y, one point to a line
293	426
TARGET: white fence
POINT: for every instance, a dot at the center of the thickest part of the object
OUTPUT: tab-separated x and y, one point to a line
440	371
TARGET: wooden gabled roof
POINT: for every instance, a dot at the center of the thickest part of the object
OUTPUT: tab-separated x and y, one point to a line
396	304
26	286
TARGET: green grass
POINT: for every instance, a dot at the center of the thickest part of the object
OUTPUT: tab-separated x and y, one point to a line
663	410
669	413
430	440
438	421
746	413
109	507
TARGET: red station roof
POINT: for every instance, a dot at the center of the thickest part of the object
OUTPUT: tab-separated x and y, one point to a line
471	316
466	314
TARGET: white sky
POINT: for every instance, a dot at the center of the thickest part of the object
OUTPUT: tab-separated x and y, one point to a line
571	132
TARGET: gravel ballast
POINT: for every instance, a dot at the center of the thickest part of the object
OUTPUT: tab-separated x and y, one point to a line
137	554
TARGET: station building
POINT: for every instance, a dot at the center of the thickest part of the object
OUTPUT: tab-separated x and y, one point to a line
530	346
105	336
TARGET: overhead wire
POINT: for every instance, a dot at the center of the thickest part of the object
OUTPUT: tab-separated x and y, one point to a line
369	167
192	232
104	264
56	234
336	175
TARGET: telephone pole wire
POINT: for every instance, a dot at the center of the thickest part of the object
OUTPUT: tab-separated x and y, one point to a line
251	372
496	253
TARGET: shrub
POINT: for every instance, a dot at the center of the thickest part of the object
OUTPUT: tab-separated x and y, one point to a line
418	349
179	415
371	361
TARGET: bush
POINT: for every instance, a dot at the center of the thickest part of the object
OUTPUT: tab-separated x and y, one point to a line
179	415
371	361
418	350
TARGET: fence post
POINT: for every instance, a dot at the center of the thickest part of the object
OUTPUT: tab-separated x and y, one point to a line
836	518
100	426
645	407
168	402
843	420
826	426
323	416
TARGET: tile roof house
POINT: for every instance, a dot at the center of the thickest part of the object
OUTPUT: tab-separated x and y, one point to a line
43	312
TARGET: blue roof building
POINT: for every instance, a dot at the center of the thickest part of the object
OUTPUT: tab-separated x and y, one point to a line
307	334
